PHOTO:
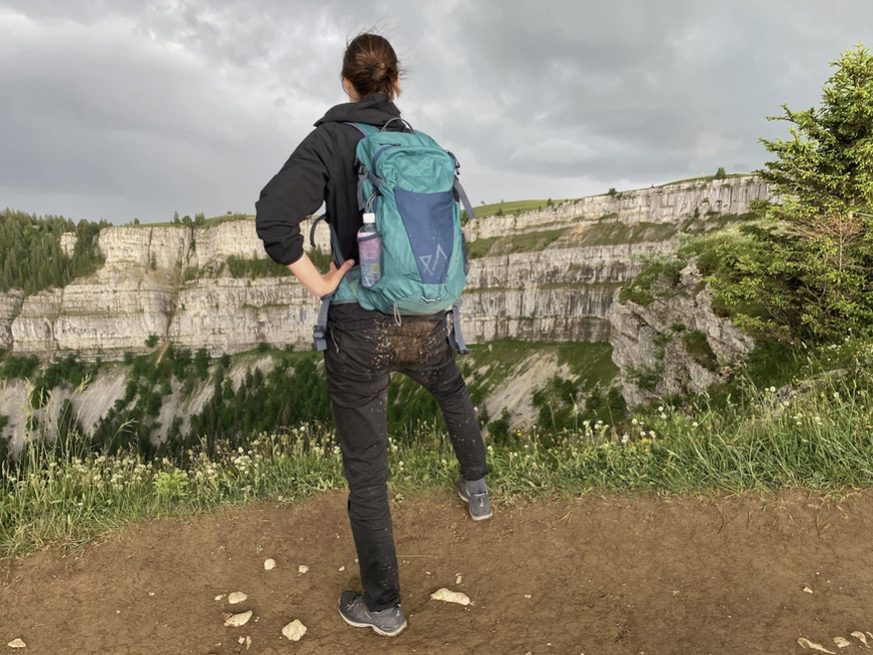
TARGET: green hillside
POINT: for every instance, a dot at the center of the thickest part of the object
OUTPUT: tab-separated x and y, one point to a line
513	207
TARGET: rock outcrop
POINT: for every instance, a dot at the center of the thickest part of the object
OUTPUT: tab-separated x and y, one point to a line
10	307
674	345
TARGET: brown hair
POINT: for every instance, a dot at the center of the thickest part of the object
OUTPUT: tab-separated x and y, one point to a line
370	64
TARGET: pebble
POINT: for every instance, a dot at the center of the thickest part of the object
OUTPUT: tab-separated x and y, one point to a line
294	630
842	642
341	569
806	643
17	643
238	620
860	637
807	590
219	597
270	564
450	596
528	596
237	597
247	641
458	578
303	568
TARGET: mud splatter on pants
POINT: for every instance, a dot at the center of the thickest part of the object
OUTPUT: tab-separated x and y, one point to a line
364	347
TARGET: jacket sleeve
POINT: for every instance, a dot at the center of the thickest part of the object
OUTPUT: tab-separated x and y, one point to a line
295	193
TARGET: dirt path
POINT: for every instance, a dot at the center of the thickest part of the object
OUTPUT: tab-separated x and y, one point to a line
605	575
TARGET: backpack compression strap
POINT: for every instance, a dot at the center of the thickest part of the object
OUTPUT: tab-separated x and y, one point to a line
464	199
455	337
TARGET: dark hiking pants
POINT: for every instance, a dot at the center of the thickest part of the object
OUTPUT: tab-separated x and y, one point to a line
364	347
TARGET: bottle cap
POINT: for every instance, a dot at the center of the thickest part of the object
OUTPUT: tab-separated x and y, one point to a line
369	217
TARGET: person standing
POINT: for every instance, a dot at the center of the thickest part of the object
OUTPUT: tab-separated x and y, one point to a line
365	346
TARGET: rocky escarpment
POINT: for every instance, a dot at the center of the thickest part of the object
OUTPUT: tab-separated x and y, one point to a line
665	204
675	344
173	282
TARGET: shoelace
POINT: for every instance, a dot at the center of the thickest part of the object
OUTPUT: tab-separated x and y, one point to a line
359	601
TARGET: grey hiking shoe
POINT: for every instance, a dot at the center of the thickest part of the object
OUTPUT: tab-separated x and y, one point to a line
475	494
388	622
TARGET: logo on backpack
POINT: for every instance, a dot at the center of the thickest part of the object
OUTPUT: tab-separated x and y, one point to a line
426	259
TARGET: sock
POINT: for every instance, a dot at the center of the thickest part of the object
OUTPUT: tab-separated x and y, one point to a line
476	486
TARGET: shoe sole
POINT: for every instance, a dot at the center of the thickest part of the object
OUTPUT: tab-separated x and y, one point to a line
475	518
375	629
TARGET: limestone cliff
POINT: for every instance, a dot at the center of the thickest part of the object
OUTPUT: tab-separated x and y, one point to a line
173	282
665	204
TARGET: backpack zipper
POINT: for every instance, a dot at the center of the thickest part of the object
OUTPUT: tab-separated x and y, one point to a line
379	153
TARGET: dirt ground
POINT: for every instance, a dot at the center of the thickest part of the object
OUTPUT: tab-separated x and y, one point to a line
599	575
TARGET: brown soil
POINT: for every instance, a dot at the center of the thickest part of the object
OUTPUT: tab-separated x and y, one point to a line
605	574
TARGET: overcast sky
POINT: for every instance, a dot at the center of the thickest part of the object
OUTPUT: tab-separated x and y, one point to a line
124	108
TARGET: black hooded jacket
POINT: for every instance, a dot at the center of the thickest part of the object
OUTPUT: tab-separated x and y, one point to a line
322	168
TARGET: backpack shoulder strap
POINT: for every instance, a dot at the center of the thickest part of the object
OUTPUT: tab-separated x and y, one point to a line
363	128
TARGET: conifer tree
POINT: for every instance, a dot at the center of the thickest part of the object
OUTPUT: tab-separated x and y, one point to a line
809	263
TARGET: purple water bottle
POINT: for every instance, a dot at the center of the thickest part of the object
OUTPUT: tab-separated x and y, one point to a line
370	251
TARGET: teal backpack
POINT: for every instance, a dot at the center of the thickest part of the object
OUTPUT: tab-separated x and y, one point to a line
411	184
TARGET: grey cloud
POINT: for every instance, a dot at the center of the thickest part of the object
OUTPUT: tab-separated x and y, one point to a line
648	79
132	107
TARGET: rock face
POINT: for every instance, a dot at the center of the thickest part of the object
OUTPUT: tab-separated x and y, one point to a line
174	282
10	307
68	243
666	204
676	344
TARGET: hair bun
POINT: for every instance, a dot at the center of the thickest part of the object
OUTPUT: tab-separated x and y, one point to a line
370	64
378	71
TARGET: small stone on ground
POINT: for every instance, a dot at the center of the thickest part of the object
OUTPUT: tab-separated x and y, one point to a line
238	620
237	597
450	596
294	630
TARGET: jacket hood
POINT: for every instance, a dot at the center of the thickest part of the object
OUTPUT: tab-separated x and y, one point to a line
376	110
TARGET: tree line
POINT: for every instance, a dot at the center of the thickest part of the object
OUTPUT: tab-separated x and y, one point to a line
31	258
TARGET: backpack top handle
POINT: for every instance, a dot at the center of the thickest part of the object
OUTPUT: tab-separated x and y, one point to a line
406	123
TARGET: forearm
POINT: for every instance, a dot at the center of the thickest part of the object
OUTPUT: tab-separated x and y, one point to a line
309	276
